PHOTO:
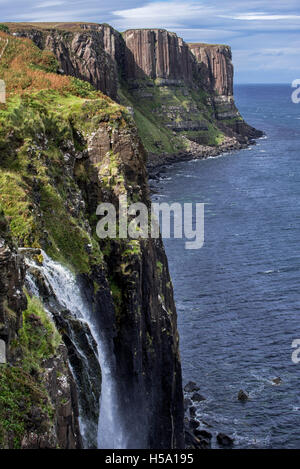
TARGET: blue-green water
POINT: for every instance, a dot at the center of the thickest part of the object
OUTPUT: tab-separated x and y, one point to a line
238	297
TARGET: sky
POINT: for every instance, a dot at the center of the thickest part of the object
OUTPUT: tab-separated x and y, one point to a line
264	35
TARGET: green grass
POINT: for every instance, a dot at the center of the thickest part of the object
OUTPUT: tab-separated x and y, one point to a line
38	337
4	28
159	267
212	137
20	394
152	119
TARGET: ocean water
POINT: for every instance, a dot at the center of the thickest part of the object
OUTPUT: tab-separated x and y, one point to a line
238	297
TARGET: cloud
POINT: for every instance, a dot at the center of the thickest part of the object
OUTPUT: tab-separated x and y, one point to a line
262	17
62	10
214	15
163	14
49	4
55	16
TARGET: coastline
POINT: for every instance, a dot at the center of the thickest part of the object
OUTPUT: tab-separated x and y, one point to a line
157	162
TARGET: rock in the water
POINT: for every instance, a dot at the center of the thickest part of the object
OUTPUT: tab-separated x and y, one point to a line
224	440
203	434
194	423
196	397
277	381
243	396
191	441
191	387
193	411
194	442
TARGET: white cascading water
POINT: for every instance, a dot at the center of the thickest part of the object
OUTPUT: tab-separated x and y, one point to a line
67	292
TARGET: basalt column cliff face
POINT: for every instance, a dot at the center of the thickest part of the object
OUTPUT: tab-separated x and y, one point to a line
216	69
157	54
216	66
180	95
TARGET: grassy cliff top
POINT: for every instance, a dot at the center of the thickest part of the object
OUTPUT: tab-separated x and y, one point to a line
24	67
61	26
194	45
148	29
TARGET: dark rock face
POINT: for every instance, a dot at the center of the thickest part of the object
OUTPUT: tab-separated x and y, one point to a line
194	439
82	355
62	392
194	424
204	434
90	55
12	298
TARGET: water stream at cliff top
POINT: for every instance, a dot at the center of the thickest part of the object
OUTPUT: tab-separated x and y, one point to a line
69	296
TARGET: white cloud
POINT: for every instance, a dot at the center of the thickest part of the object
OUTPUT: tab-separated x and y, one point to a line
163	14
261	17
55	16
49	4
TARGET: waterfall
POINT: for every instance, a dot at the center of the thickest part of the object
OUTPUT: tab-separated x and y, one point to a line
68	295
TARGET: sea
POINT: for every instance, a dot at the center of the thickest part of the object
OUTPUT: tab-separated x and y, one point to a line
238	296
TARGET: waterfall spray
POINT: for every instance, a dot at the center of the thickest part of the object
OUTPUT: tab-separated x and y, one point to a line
69	296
